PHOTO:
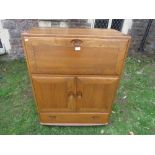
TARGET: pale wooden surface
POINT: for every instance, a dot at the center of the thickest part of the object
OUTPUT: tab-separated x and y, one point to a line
75	87
97	93
74	118
76	32
57	56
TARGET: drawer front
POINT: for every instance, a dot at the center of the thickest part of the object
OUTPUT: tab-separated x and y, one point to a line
58	55
74	118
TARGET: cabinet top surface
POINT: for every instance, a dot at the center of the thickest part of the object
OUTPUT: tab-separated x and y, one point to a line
75	32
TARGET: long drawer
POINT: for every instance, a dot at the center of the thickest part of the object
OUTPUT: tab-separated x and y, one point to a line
75	55
74	118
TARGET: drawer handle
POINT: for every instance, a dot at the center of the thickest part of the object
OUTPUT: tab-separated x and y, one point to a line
52	117
77	44
95	117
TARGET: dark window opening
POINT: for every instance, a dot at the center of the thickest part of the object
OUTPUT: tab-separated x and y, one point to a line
1	46
117	24
101	23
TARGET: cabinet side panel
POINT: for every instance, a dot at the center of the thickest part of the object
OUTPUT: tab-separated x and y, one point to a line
30	76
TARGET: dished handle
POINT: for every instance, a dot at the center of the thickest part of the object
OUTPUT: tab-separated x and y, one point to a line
79	95
70	97
77	44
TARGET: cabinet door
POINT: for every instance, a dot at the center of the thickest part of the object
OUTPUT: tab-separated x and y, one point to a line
95	94
54	55
54	93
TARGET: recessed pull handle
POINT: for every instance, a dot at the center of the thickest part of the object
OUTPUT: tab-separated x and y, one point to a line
71	97
79	95
52	117
77	44
71	100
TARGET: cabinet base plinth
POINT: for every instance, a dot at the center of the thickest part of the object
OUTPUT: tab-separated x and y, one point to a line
72	124
74	119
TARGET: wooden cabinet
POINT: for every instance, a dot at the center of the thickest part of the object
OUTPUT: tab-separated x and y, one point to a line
74	73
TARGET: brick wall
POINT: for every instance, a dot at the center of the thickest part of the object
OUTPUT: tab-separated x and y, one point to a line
137	31
71	23
16	26
150	41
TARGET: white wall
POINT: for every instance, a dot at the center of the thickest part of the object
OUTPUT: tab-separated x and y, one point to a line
126	26
4	35
44	23
47	23
92	22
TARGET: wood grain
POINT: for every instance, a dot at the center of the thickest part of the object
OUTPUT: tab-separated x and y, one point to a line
75	87
72	32
97	93
57	55
54	93
74	118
